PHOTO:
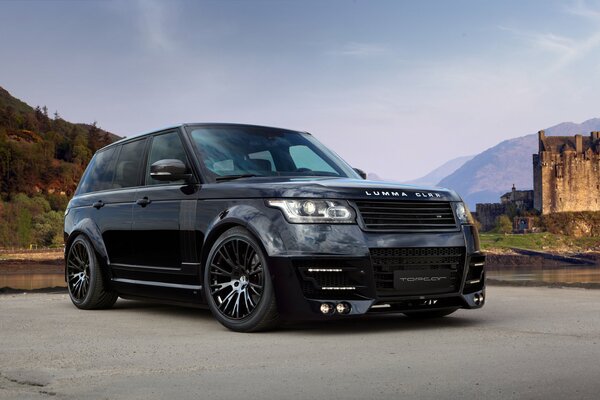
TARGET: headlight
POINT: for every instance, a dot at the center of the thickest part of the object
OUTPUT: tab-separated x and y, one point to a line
315	211
463	214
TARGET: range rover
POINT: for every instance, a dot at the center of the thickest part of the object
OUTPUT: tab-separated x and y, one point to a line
261	225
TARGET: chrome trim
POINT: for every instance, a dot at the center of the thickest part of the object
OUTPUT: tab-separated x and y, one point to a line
161	284
144	267
381	306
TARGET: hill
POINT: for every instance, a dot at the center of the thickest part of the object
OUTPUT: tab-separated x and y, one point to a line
432	178
41	161
492	173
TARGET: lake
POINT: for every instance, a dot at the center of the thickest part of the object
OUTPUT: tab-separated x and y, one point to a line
568	274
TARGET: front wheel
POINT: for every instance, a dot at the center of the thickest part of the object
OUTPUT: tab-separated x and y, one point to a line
238	286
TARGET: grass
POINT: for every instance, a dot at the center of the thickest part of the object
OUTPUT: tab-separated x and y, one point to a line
498	242
31	255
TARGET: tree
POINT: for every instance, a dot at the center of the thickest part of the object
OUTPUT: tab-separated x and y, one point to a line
503	224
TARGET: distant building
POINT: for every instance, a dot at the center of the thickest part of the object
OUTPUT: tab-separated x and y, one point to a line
566	173
524	225
515	201
521	199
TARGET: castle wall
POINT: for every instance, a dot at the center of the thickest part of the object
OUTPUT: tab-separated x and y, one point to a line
566	179
487	214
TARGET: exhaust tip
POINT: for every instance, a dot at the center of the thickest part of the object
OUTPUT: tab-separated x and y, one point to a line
327	308
343	308
478	299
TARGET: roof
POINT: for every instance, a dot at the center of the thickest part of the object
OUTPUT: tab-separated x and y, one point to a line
181	125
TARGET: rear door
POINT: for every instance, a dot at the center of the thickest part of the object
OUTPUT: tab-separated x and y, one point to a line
116	204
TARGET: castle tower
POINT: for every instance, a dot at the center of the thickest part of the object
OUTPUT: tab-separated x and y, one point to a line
566	173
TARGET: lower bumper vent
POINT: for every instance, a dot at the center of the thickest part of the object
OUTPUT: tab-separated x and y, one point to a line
417	270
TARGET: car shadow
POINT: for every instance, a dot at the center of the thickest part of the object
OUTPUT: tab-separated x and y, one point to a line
356	325
381	323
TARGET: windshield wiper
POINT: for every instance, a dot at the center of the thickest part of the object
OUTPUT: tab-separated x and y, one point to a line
232	177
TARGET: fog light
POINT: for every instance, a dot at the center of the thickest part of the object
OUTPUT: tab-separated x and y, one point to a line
327	308
342	308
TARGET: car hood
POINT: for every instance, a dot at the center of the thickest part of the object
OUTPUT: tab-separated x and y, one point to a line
324	187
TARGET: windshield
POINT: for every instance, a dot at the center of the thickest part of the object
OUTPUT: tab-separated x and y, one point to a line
241	151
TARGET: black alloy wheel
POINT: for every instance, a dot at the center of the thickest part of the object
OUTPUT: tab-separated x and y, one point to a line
85	282
238	285
78	271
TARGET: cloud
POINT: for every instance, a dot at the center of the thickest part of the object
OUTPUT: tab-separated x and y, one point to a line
565	50
152	20
361	50
581	9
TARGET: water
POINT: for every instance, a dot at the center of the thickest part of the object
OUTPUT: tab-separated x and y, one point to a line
568	274
550	275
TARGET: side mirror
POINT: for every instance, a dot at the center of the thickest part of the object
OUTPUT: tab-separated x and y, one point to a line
169	170
362	173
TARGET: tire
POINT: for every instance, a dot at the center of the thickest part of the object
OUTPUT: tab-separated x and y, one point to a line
85	282
238	285
430	314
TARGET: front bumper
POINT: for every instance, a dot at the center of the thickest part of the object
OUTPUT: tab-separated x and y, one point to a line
300	293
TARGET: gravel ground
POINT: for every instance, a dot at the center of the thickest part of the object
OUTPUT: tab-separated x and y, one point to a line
526	343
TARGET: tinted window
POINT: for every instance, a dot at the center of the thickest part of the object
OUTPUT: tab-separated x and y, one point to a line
306	159
128	166
240	150
99	173
167	146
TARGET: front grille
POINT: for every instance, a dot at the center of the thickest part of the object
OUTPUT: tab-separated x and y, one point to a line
407	216
447	260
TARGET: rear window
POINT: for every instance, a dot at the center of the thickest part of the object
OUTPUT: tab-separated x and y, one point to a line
128	165
99	173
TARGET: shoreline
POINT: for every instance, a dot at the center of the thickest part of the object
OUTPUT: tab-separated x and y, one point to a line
511	260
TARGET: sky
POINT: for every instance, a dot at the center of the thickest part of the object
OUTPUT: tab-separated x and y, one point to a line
395	87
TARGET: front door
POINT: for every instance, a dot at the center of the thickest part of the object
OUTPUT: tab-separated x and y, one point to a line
164	216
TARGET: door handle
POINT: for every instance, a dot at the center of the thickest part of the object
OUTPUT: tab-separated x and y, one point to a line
143	202
98	205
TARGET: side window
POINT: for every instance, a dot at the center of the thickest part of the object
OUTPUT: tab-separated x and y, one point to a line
166	146
305	158
128	166
99	174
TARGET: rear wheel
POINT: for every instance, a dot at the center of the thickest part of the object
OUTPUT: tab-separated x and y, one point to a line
430	314
238	285
84	278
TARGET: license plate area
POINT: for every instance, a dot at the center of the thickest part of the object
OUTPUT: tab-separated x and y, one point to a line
423	281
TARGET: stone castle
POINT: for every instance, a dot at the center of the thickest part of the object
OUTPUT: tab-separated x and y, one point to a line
566	173
566	177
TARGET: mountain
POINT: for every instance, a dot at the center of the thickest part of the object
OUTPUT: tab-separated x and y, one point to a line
374	177
432	178
40	154
492	173
41	161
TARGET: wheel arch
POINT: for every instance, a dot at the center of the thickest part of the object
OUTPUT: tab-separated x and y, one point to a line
90	230
252	219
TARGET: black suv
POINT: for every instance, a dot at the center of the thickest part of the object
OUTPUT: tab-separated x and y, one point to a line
262	224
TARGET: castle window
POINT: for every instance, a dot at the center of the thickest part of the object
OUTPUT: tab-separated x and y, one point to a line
558	171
